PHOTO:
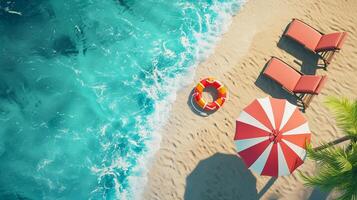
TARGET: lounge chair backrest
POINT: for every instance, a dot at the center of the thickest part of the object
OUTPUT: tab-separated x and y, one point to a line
313	39
321	85
304	34
309	84
282	73
332	41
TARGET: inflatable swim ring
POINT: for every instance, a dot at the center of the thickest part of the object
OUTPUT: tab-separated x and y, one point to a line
221	90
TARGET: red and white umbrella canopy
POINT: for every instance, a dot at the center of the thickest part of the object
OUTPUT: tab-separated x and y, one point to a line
271	136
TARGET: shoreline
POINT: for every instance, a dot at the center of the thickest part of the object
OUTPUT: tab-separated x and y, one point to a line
197	154
184	80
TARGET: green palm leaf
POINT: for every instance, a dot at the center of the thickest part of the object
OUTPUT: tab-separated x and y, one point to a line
345	111
337	170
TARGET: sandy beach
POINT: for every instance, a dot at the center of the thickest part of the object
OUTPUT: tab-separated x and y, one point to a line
197	158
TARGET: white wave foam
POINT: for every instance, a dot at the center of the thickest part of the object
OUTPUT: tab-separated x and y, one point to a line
202	49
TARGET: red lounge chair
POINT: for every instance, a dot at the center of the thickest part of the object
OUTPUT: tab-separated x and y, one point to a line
324	44
304	87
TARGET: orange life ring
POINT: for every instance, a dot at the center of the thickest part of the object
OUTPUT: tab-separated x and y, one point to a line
210	82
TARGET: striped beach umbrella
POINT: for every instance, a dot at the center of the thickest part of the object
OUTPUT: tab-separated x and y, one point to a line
271	136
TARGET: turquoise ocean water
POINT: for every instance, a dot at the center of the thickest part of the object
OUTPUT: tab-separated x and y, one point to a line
84	84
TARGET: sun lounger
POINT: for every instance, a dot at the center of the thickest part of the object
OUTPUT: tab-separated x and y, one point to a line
304	87
325	45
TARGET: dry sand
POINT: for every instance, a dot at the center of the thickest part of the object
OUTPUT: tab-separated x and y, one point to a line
197	157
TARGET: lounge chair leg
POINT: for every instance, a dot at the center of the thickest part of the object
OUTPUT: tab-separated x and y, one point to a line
330	56
300	98
327	57
323	58
307	100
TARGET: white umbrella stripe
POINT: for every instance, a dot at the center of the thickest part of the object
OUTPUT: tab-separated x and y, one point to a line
282	165
259	164
302	129
248	119
266	105
288	112
246	143
298	150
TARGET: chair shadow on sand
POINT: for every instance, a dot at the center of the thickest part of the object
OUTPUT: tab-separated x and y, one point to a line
221	176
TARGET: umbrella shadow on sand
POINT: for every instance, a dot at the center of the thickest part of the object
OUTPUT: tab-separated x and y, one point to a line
221	176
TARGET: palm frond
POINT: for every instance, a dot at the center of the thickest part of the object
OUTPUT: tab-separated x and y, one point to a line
331	156
345	111
337	170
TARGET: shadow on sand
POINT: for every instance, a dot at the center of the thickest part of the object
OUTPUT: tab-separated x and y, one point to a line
221	176
267	186
317	194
